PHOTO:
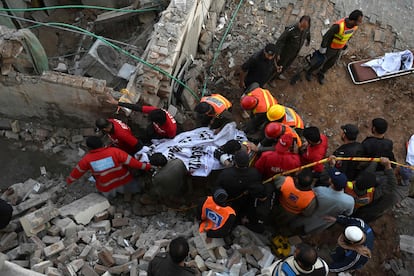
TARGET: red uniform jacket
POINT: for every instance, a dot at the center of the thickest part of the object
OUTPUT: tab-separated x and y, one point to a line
109	166
122	136
272	162
168	129
316	153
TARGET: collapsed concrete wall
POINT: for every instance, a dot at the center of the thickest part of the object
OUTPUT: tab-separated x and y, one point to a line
55	98
173	42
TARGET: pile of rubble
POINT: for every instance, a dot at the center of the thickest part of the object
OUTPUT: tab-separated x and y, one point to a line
53	234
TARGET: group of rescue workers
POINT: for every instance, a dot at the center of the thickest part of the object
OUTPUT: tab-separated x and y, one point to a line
247	191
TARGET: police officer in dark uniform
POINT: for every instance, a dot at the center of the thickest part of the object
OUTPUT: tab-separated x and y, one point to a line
291	41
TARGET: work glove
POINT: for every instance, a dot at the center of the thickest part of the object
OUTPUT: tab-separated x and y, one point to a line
322	50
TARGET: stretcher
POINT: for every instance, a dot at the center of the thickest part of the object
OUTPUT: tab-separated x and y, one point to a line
361	74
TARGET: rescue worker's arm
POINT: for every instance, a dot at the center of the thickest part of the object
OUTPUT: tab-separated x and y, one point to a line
224	230
131	162
308	211
81	168
328	37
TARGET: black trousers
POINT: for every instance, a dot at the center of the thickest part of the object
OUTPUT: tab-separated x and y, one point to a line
332	56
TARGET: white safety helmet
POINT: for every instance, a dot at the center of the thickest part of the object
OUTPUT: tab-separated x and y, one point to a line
353	234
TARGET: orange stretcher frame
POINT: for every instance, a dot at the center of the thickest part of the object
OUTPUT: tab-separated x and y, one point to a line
361	74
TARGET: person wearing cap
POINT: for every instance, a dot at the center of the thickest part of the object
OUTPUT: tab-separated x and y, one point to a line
349	148
120	135
273	131
377	145
242	183
355	244
173	262
385	195
217	219
296	196
211	107
291	41
110	168
332	201
304	261
316	148
259	68
286	116
258	101
280	160
334	41
163	124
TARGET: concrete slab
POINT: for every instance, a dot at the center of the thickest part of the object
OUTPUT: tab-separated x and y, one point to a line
11	269
84	209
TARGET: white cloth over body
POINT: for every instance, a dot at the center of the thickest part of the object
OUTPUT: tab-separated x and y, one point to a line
195	148
410	151
391	62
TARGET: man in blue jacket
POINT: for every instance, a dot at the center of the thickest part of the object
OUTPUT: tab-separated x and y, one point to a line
355	245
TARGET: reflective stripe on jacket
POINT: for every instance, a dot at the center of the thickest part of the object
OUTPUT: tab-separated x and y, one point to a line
264	100
218	102
362	200
292	118
341	38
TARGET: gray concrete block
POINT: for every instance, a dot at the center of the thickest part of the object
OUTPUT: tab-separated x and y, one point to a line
54	248
84	209
151	253
41	267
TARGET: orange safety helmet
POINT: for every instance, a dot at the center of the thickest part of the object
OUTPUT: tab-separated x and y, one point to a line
274	130
249	102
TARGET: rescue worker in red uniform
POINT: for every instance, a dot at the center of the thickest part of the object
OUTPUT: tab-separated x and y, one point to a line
280	160
316	148
272	133
120	134
286	116
109	167
334	41
258	101
210	107
217	219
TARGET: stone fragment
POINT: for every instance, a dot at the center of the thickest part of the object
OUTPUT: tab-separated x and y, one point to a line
235	269
105	256
15	126
38	242
120	259
77	264
41	267
77	139
64	224
162	243
85	252
101	216
84	209
52	271
8	241
119	222
34	222
53	230
87	270
215	266
11	135
151	252
200	263
50	239
119	269
54	248
103	226
407	243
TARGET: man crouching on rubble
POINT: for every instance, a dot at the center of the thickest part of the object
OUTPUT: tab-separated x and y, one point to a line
109	167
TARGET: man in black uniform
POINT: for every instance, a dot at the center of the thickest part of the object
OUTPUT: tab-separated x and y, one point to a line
291	41
377	145
172	263
350	148
258	68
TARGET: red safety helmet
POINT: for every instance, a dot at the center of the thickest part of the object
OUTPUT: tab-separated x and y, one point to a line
274	130
248	102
